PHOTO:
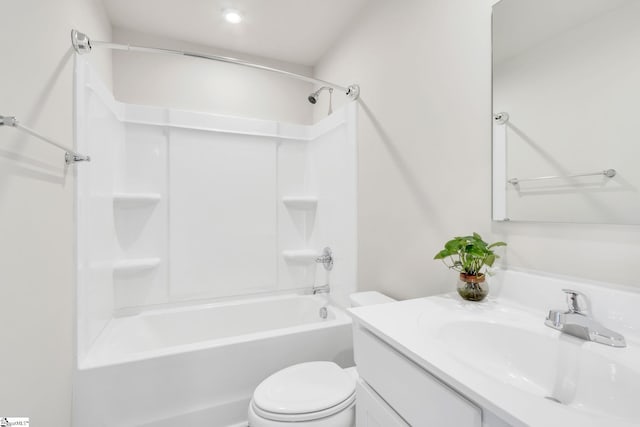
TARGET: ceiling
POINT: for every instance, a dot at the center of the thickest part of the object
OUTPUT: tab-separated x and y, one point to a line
298	31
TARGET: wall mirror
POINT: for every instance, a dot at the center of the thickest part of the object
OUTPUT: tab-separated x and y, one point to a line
566	104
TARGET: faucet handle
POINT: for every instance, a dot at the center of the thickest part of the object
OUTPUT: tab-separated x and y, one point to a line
573	301
326	259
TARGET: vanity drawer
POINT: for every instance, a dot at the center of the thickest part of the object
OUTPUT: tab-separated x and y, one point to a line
419	398
372	411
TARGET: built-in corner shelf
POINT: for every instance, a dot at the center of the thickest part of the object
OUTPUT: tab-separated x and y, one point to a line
301	256
133	200
300	202
130	266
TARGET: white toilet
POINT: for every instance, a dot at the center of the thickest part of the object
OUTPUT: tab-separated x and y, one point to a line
311	394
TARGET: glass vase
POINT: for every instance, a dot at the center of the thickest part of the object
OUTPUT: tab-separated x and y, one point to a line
472	288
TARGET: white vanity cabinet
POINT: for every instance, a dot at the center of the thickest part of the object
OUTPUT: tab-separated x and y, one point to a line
441	361
393	391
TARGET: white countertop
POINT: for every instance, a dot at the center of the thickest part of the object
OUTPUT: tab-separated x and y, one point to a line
431	332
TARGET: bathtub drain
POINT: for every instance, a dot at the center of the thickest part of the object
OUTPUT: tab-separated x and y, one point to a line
323	313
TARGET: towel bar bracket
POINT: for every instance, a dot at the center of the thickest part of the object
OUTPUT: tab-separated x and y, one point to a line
8	121
70	158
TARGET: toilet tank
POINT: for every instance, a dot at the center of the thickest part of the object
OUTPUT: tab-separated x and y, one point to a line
360	299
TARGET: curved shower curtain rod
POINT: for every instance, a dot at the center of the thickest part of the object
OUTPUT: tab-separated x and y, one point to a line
83	44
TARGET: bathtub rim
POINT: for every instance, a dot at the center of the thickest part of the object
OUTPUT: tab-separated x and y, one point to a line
202	302
93	361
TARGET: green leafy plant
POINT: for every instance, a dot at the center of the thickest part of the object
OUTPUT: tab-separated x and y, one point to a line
469	254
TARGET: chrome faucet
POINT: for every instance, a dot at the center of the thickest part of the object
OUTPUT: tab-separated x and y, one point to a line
326	259
577	321
321	289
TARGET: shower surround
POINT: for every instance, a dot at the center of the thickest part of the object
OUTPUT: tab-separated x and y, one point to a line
182	210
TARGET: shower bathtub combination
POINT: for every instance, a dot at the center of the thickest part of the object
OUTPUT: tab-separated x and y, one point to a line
197	244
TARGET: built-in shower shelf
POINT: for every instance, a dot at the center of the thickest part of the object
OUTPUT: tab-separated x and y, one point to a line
135	265
132	200
301	256
300	202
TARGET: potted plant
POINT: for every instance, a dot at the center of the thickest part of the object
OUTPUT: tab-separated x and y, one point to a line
470	256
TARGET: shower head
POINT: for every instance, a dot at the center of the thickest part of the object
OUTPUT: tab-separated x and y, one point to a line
313	98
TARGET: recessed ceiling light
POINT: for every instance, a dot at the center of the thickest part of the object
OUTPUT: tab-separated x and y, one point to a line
233	16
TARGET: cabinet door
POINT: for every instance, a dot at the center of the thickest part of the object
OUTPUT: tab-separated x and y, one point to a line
417	396
372	411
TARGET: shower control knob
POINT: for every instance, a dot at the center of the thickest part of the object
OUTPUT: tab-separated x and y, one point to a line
326	259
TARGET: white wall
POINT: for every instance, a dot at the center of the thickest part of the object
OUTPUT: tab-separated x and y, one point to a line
332	178
585	74
222	229
36	205
425	153
200	85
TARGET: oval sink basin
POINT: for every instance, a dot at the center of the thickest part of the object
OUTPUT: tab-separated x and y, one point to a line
578	374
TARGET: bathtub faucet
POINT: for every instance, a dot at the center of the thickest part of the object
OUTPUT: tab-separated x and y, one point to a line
321	289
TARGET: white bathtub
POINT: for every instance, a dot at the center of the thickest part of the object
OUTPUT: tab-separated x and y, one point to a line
198	366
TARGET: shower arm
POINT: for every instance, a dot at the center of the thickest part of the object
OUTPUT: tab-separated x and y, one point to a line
82	45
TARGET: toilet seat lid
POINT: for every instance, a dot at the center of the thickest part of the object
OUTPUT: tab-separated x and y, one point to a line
304	388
